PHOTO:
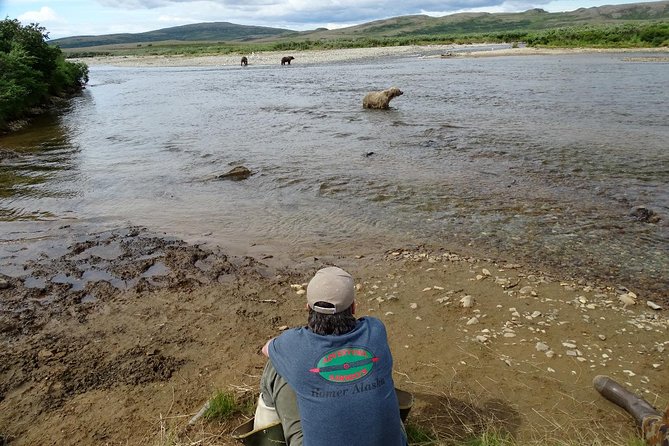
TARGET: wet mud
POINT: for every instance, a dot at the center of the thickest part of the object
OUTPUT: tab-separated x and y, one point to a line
121	336
128	263
99	268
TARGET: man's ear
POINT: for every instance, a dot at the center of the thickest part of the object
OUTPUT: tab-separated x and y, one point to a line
353	308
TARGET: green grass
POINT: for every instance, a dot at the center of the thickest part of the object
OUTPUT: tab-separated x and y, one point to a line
222	406
419	435
225	405
491	439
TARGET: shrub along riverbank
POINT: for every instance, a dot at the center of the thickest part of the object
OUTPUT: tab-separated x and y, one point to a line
32	73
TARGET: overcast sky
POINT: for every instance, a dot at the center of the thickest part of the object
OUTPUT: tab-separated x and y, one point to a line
64	18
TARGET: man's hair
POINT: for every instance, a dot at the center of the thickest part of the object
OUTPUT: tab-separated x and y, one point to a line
331	324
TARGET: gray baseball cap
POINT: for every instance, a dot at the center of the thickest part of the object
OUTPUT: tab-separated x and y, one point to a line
332	285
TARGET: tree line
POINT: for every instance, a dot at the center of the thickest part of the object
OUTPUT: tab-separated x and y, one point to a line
32	73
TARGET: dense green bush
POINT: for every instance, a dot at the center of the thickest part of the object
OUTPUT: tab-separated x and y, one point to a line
610	36
31	71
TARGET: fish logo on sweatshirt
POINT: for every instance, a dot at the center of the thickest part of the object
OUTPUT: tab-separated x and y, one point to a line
345	365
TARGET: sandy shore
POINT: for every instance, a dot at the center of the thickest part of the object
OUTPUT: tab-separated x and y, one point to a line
121	337
352	54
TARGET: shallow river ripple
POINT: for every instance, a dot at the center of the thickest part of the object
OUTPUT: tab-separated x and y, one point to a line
537	159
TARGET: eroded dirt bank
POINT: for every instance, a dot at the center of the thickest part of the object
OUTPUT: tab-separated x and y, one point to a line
122	337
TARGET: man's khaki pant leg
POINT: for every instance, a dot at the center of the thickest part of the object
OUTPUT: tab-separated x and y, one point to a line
276	393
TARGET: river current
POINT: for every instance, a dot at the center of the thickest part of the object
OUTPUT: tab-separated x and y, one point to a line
538	159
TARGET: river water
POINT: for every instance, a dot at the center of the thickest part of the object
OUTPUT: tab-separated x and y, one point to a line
534	159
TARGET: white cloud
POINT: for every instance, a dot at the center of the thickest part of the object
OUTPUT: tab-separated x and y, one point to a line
10	3
134	4
45	14
176	20
302	11
338	25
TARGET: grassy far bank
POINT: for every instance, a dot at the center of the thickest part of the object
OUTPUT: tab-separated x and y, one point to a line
642	35
32	73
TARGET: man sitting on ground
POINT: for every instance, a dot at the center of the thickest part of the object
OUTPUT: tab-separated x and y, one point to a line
331	381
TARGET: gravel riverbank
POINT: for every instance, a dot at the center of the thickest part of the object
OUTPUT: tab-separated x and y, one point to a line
350	54
122	336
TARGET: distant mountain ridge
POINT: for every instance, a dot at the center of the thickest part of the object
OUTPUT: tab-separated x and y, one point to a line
462	23
198	32
482	22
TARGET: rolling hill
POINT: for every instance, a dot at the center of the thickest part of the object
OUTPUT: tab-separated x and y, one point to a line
405	26
534	19
199	32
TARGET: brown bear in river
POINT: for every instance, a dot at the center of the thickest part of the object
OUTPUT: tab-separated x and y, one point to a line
380	99
286	60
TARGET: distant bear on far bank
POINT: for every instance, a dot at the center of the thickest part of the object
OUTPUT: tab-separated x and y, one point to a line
380	99
286	60
245	61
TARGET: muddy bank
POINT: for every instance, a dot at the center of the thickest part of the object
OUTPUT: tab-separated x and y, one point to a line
97	269
123	335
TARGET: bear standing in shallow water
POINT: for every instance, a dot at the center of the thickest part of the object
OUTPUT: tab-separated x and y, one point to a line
380	99
286	60
245	61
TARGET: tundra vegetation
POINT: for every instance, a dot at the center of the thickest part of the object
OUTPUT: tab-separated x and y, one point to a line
32	72
625	35
632	25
